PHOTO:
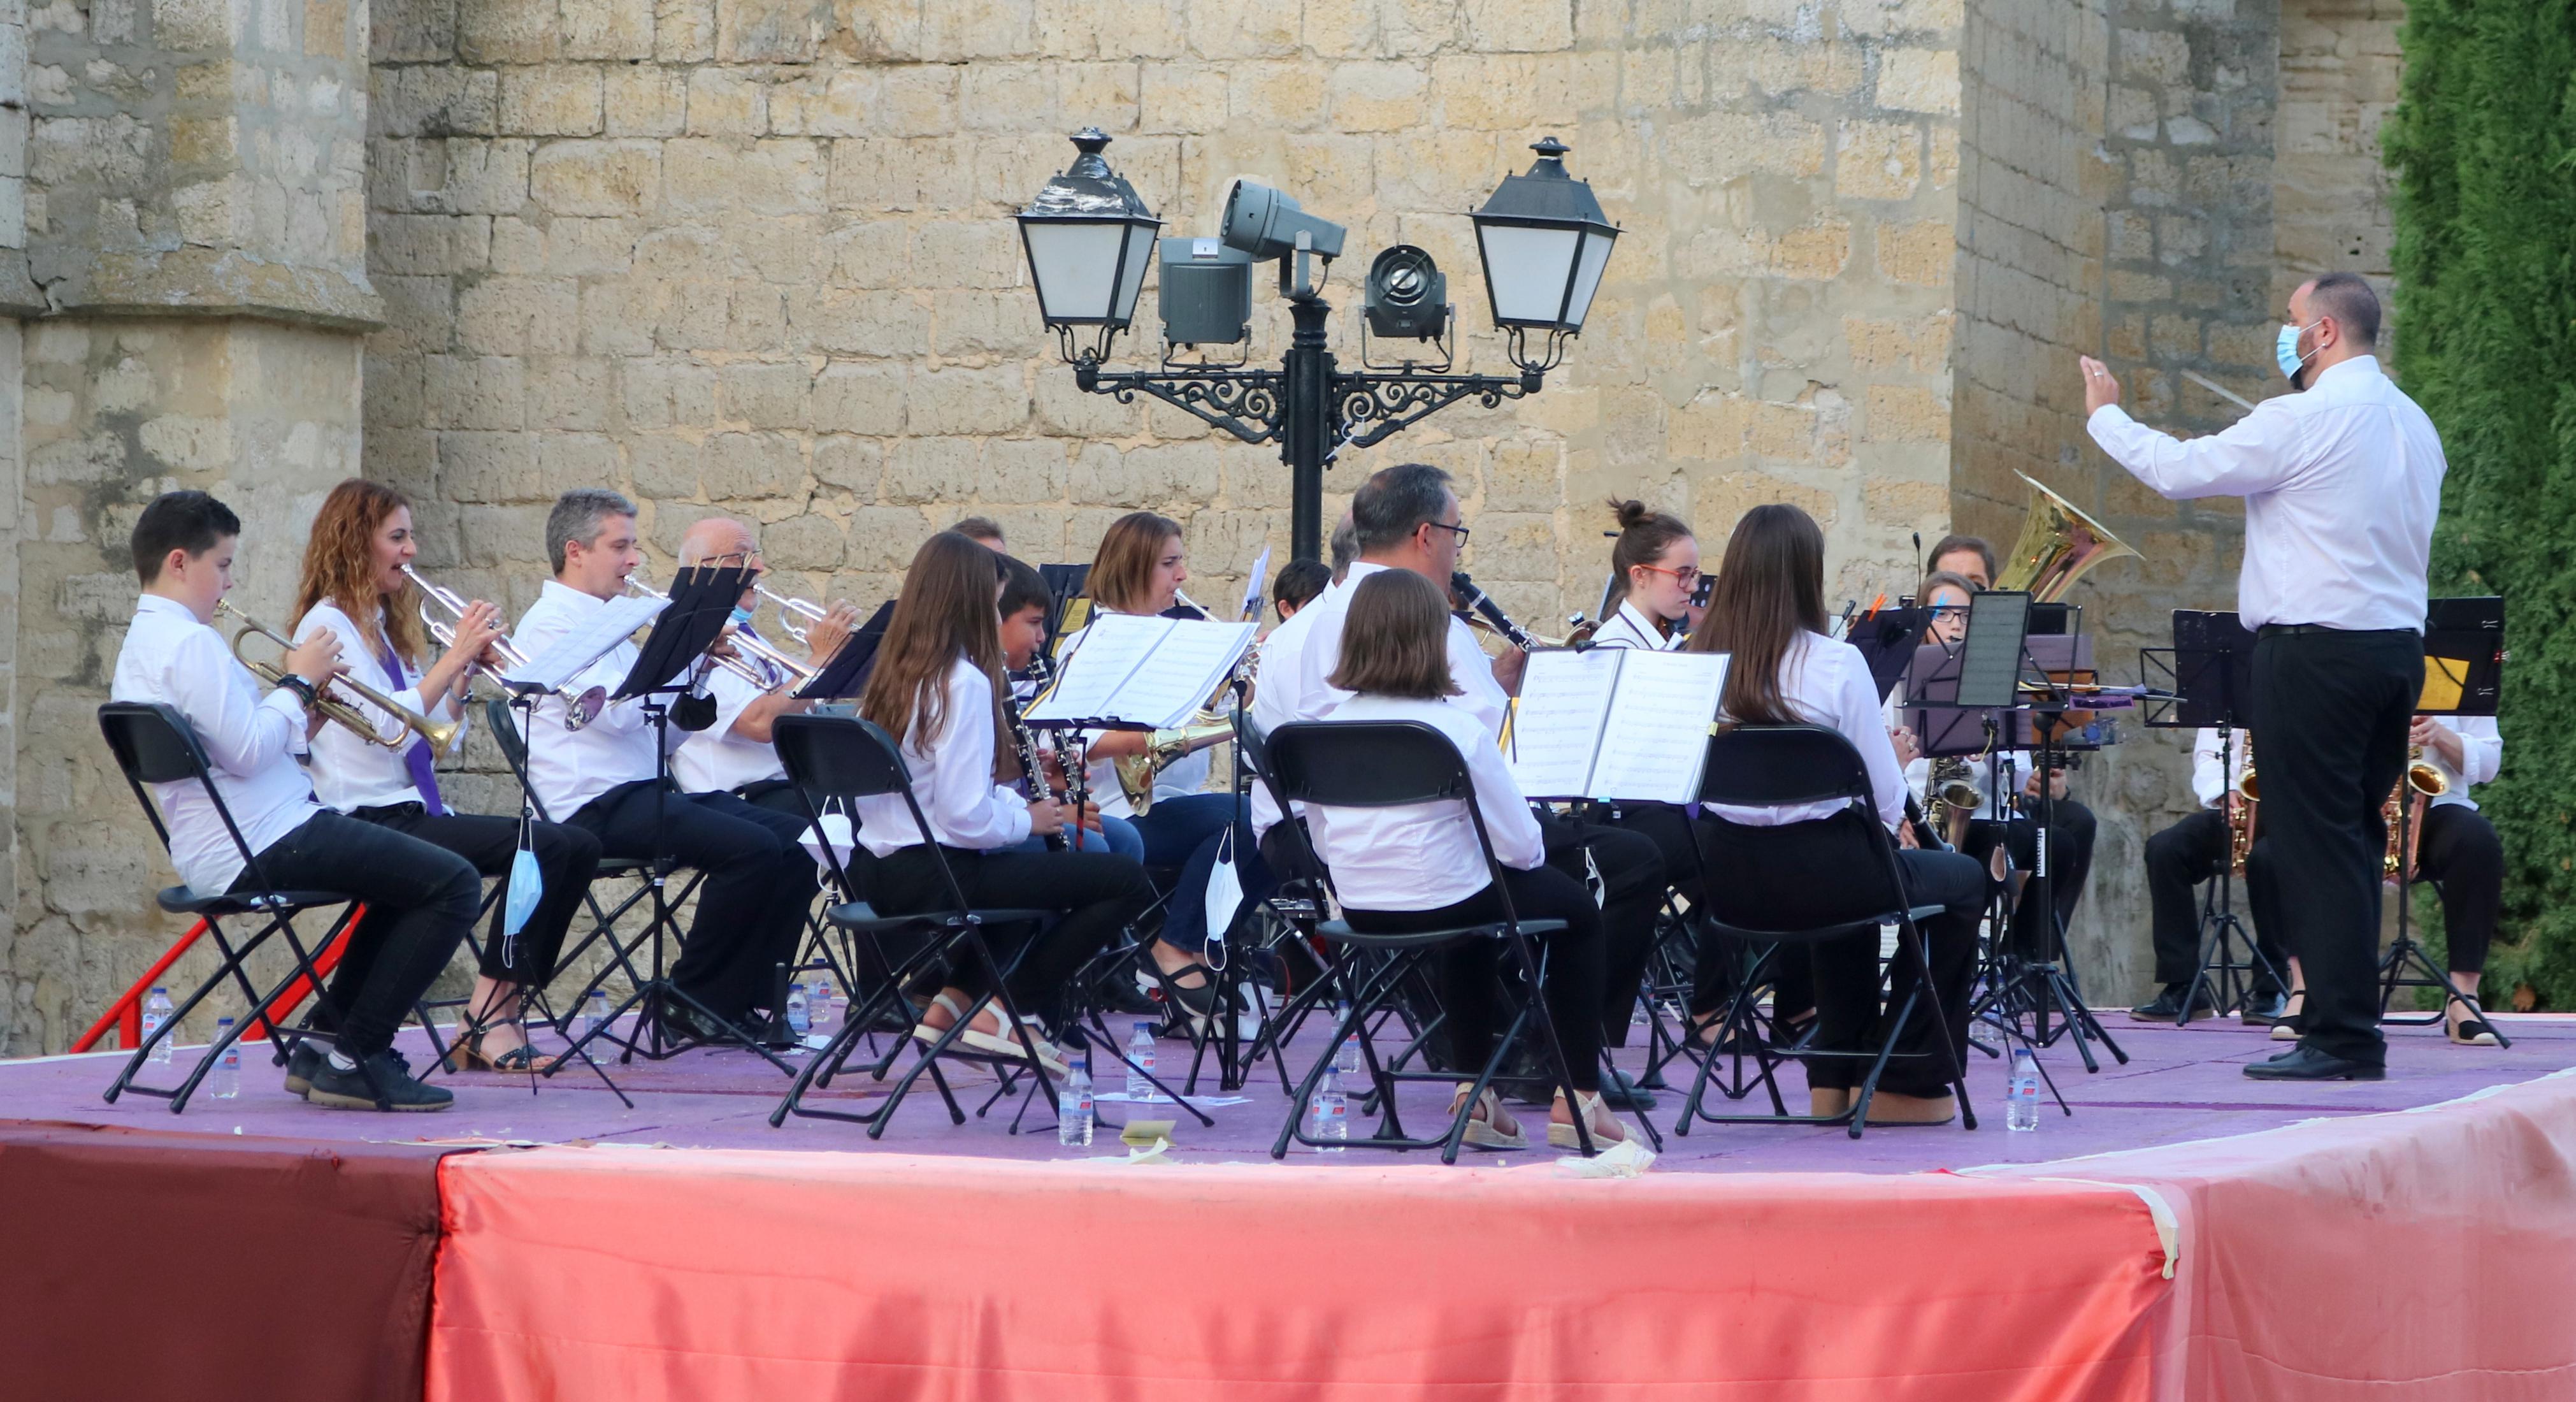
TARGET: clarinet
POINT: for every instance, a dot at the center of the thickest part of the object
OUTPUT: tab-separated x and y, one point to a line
1028	745
1476	599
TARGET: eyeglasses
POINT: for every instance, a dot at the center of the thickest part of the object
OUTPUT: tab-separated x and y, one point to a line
1686	576
1461	530
1941	612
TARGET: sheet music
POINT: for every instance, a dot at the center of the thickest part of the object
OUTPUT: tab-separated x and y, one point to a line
1253	584
573	653
1655	738
1556	726
1144	671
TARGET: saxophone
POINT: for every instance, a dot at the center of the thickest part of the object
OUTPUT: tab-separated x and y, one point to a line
1027	743
2243	811
2421	784
1953	797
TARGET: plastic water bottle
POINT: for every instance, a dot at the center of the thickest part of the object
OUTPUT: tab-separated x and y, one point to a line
594	1014
156	1015
1983	1032
1073	1106
227	1076
1140	1065
1346	1057
2021	1102
800	1014
821	1009
1332	1116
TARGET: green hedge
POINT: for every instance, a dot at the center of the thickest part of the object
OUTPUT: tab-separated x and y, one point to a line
2484	143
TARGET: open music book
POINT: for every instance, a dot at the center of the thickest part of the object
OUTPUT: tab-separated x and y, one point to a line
570	655
1153	672
1621	724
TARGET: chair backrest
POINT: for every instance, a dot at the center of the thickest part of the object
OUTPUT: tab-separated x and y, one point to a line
504	724
1775	766
154	744
1293	863
841	759
1377	764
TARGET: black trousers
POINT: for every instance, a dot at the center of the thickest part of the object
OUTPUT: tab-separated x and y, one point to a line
1784	879
421	900
2332	708
2460	852
2181	857
1633	878
2070	853
751	907
1470	990
567	857
1095	893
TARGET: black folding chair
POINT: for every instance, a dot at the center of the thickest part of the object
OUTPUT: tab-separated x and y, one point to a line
1394	764
154	744
1780	766
835	761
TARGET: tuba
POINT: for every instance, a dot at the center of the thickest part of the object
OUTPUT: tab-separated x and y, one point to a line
2423	782
2058	544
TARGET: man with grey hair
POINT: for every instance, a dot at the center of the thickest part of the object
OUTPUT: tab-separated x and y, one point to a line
603	778
734	755
1345	546
1407	517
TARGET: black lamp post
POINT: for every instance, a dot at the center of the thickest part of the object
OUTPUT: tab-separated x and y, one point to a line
1542	238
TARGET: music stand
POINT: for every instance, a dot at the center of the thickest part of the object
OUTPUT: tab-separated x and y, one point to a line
2463	676
701	602
2210	670
845	673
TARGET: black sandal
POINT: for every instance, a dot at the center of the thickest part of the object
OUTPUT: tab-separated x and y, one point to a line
1199	1001
521	1059
2472	1032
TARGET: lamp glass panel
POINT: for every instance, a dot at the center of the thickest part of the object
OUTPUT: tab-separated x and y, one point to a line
1526	268
1587	277
1074	264
1140	255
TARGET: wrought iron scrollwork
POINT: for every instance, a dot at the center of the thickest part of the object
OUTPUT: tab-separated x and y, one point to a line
1370	408
1245	403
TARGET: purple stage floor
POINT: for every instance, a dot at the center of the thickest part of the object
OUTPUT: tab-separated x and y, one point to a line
2179	1084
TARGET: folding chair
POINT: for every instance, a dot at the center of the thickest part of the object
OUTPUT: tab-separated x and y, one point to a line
154	744
1394	764
1779	766
834	761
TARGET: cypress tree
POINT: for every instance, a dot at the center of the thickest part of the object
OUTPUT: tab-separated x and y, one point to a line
2484	144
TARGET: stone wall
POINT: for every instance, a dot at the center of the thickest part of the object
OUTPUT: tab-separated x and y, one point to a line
2330	210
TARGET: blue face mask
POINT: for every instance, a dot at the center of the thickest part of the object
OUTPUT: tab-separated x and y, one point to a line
741	617
2285	349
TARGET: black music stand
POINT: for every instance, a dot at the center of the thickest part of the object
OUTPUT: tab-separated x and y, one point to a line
845	673
2463	676
702	601
2210	673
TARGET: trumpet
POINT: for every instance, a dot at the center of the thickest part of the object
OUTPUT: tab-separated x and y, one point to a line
580	708
798	673
441	735
790	609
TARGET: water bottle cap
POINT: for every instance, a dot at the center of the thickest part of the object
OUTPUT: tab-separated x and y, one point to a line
223	1022
1144	1026
161	990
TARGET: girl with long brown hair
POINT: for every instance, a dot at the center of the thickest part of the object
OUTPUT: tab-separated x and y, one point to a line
937	688
1768	616
354	587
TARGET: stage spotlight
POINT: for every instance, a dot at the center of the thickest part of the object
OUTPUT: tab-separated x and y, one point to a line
1206	292
1265	223
1407	295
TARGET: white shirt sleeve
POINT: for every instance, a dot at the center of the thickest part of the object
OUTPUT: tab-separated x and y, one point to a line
1508	820
1858	714
2481	748
243	731
965	805
361	662
2208	776
2257	453
1473	671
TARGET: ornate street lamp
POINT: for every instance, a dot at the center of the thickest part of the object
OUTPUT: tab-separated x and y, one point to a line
1542	237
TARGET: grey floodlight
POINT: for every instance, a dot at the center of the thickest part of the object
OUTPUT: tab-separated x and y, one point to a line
1205	292
1265	223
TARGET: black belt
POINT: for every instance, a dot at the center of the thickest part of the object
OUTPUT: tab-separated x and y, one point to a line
379	812
2291	630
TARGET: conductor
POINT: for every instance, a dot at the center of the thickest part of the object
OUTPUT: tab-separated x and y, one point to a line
2341	482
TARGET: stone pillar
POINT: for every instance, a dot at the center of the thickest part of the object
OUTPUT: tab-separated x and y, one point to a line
196	240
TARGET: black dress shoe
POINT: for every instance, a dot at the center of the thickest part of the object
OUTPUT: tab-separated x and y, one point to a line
1621	1093
2264	1009
2306	1063
681	1021
2167	1005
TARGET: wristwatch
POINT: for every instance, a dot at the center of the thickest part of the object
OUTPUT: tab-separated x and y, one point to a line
303	689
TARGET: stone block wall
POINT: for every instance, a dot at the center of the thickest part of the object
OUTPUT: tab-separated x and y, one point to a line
2330	212
754	256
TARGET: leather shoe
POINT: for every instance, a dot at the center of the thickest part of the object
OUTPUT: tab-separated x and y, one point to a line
2166	1006
2306	1063
683	1022
2264	1009
1621	1093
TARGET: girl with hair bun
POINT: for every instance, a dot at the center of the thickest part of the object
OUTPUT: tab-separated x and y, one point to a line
1654	567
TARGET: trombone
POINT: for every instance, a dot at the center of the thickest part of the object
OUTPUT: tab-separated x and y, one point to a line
580	709
441	735
798	673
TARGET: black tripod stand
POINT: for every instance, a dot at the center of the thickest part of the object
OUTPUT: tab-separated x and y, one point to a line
2407	964
2229	980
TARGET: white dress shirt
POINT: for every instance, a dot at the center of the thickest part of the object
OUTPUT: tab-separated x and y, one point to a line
715	759
2481	755
2341	485
1630	627
250	740
1187	775
1424	855
1301	653
2209	783
349	773
1827	682
569	768
952	777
